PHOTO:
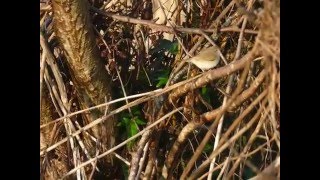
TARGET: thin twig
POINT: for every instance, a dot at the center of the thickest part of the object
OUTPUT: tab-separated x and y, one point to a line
124	142
94	165
43	66
51	93
236	29
172	157
257	149
151	24
142	160
246	148
219	129
102	105
123	90
214	44
240	38
121	158
219	72
67	122
225	165
231	152
54	67
214	124
228	141
213	170
230	84
136	157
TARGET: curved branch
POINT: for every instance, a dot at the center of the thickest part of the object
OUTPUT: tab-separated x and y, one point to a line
136	157
176	148
215	123
211	75
211	115
225	141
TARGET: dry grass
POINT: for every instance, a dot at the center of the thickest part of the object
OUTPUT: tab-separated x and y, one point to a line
234	135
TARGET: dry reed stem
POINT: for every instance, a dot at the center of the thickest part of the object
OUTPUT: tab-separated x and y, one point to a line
102	105
102	119
124	142
199	80
226	144
209	116
215	123
246	148
61	96
228	90
172	157
142	160
137	155
264	86
151	24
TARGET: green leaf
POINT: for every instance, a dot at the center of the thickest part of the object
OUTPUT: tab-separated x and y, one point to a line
162	81
136	111
125	170
205	93
131	124
174	48
140	121
123	122
164	45
126	120
244	139
204	90
133	128
162	77
208	148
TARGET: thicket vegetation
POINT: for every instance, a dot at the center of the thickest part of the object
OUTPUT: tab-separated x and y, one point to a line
118	100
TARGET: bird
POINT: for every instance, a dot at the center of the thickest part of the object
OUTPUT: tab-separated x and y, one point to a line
206	59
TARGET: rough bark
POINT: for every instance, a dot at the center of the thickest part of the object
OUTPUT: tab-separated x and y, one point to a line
93	85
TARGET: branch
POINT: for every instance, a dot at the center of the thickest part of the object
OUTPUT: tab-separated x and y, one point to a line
215	123
211	75
151	24
176	149
123	143
236	29
270	172
209	116
224	139
136	157
122	108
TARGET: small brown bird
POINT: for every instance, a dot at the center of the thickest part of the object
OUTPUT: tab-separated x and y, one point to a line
206	59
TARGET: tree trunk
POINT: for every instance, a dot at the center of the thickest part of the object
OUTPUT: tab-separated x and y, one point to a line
75	32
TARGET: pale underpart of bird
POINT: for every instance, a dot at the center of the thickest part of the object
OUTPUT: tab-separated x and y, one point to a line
206	59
